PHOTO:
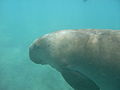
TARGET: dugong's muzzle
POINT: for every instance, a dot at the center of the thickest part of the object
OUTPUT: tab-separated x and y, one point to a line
33	54
36	51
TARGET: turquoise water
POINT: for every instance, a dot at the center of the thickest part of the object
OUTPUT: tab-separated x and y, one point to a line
22	21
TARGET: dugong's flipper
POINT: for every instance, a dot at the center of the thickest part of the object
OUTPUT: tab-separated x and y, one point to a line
78	81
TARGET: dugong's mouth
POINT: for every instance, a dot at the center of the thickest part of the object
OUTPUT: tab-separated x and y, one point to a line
34	56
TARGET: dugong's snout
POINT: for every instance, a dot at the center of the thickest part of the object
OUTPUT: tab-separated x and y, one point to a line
32	54
36	52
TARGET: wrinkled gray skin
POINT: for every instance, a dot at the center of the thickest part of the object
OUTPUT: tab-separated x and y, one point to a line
88	59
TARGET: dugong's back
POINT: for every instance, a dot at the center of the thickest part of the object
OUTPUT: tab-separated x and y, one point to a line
103	43
96	43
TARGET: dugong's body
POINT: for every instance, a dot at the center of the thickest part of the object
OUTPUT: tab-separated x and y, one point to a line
88	59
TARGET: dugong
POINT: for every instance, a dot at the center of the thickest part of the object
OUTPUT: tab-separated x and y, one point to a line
88	59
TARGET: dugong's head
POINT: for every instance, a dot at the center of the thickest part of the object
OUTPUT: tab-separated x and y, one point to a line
53	48
61	48
44	50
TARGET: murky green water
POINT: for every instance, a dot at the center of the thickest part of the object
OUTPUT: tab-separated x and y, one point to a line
22	21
